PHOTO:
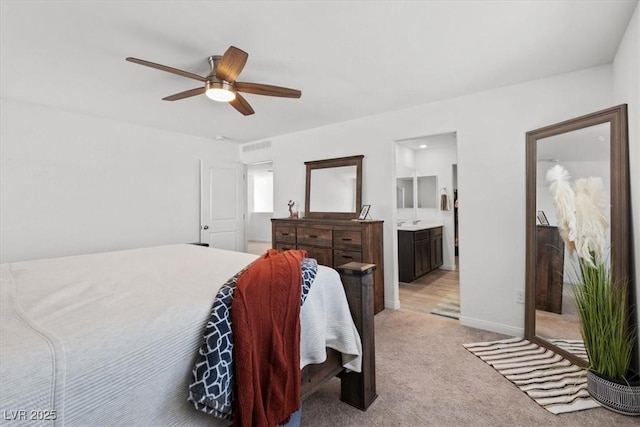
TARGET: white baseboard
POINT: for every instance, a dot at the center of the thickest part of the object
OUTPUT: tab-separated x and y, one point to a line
448	267
491	326
394	305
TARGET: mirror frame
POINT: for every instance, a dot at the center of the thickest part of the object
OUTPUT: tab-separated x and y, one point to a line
333	163
620	209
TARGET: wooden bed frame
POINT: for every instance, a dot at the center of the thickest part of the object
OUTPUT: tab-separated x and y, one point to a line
356	389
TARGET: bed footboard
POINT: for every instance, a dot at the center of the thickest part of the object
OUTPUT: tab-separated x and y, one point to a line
357	389
313	376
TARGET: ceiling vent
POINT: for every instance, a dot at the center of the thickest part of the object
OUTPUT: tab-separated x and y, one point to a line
263	145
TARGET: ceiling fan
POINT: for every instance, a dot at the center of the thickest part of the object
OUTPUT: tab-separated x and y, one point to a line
220	84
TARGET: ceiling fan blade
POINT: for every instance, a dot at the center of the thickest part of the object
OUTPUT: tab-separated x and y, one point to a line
242	105
231	64
167	69
267	90
185	94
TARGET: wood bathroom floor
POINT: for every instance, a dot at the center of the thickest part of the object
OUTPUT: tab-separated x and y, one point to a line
423	294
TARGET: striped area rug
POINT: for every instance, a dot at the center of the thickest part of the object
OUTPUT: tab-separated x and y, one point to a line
549	379
573	346
448	307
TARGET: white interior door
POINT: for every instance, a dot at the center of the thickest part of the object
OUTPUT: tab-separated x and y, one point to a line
222	205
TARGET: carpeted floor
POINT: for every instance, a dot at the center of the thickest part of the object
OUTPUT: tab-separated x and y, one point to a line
425	377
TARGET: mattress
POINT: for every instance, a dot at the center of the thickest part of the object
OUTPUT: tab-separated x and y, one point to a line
111	338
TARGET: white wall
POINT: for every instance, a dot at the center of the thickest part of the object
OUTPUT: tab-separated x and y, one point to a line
75	184
491	129
626	90
259	226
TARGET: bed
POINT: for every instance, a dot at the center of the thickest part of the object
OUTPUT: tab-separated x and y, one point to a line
111	338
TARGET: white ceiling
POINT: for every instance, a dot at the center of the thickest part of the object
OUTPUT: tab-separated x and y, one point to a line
350	59
443	140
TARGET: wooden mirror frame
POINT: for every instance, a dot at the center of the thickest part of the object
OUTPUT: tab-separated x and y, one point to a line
620	209
333	163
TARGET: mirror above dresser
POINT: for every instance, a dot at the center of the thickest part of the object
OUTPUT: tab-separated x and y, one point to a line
334	188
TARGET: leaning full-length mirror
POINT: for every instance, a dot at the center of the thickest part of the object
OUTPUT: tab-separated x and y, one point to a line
592	145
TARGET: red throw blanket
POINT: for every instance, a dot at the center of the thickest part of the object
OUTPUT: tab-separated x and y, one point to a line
266	330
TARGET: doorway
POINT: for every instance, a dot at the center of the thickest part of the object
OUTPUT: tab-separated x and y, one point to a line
259	206
430	159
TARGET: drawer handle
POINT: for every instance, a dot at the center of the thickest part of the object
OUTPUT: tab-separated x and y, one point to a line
285	234
313	236
346	239
347	257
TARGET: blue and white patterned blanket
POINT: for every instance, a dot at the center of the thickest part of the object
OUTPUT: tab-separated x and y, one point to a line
212	384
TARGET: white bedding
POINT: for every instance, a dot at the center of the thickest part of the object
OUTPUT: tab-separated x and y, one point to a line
110	339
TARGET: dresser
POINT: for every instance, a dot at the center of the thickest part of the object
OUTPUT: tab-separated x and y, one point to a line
334	242
549	269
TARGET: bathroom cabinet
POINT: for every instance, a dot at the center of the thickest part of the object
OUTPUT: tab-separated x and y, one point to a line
419	252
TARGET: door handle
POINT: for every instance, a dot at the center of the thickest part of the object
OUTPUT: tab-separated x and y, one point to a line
205	227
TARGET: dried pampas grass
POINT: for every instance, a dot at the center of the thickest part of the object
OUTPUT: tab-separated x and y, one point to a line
581	212
591	220
563	196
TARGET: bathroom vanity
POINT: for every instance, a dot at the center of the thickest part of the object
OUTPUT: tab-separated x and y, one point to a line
419	250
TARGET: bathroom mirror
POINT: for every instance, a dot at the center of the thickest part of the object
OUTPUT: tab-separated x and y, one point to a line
404	192
334	188
427	191
592	145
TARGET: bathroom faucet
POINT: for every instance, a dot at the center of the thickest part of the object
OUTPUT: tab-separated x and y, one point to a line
400	223
415	221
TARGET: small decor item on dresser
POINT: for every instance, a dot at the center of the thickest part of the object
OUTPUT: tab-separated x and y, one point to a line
364	212
606	324
542	218
292	214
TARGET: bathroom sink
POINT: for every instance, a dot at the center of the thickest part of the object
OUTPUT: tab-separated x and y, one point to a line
417	227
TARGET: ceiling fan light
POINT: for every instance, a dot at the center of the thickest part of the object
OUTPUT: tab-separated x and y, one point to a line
220	91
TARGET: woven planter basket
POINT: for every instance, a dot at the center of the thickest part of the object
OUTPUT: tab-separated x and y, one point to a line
618	397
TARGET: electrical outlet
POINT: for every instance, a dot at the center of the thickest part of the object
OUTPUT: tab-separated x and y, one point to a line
519	295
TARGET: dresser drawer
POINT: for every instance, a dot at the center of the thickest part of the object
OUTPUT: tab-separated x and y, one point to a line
314	236
322	255
342	257
284	246
342	238
285	234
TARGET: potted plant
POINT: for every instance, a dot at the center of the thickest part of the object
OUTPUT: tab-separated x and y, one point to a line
602	305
